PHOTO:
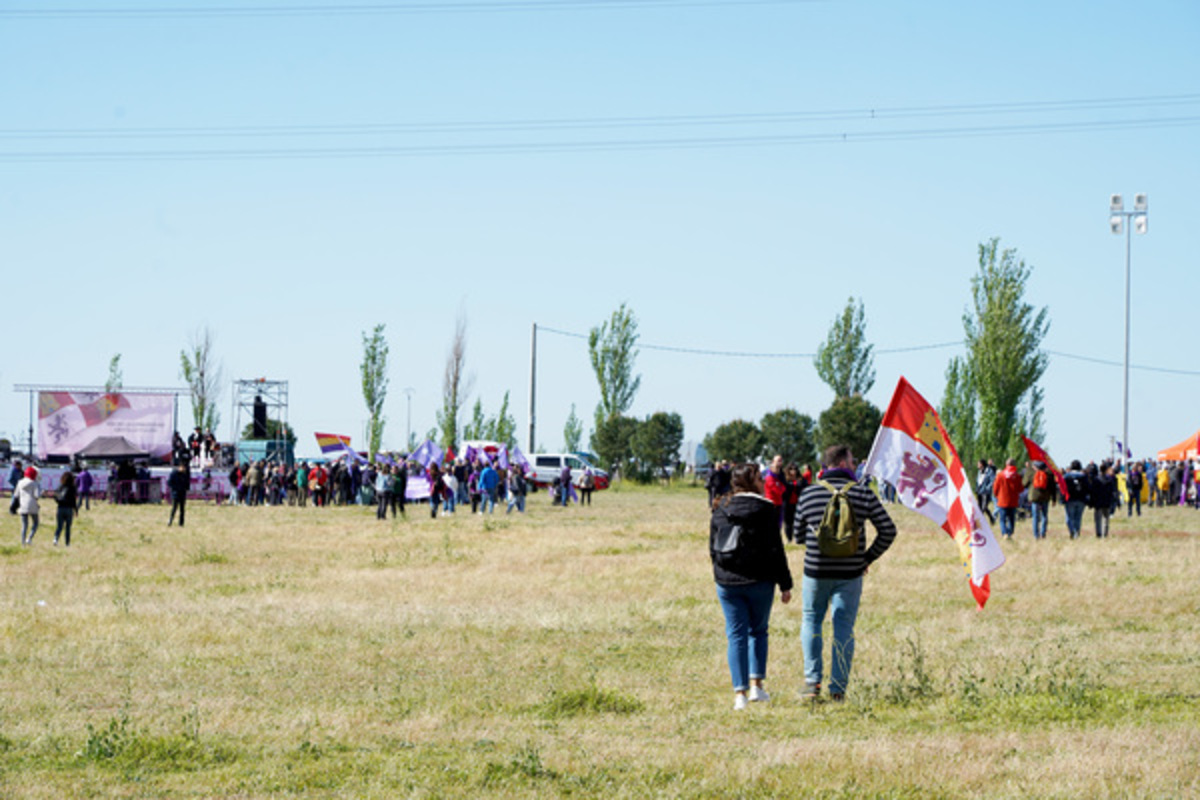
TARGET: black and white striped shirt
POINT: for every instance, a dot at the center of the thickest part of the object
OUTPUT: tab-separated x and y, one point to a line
811	508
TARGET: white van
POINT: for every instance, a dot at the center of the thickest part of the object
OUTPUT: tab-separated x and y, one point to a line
545	469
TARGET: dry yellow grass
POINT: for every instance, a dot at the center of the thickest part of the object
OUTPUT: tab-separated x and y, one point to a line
277	651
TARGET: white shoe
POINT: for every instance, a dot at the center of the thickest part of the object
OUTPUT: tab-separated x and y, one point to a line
739	702
759	695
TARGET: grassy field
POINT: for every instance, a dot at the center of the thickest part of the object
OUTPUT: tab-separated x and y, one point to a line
276	652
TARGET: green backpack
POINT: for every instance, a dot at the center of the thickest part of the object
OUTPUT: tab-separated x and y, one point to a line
837	535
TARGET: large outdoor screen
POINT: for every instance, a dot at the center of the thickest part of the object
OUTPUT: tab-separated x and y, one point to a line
70	421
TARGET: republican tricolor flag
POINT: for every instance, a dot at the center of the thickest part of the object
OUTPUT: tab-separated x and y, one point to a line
332	443
913	453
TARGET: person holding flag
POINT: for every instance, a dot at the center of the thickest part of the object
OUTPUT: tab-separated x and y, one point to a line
913	452
835	581
1039	499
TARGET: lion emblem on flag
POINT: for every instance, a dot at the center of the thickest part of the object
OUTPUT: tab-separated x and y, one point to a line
921	477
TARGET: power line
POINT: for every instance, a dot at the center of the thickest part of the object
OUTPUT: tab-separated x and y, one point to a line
619	122
367	9
1108	363
598	145
882	351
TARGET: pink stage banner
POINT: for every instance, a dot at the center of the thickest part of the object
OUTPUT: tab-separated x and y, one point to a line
70	421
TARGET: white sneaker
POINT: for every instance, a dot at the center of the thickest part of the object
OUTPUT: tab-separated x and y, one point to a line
739	702
759	695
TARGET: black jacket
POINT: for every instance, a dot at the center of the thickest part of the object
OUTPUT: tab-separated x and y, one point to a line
760	557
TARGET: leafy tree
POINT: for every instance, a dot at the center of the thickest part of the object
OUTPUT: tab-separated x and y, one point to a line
374	385
504	428
500	428
572	432
275	430
612	349
851	421
655	443
115	377
790	434
456	385
199	369
844	360
736	441
611	441
993	388
958	411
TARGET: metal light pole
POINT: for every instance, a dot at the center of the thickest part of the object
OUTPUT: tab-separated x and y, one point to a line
1118	220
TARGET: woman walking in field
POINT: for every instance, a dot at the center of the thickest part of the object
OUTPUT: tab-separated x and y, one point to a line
748	562
66	498
28	491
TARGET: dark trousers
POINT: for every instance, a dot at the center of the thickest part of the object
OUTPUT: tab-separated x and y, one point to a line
385	499
585	497
177	502
65	515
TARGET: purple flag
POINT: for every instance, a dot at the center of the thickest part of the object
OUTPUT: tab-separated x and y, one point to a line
502	456
427	453
519	458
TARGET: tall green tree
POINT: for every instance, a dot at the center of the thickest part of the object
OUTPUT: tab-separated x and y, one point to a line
790	434
851	421
500	428
476	427
655	444
611	441
1003	363
612	347
958	411
844	360
115	376
199	369
456	385
374	369
572	432
736	441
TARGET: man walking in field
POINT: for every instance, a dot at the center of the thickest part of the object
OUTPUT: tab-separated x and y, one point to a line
1007	491
835	581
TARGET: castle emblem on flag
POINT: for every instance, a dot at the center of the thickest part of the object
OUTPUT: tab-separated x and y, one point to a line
930	434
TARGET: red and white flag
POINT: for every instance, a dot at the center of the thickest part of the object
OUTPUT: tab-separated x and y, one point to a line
913	453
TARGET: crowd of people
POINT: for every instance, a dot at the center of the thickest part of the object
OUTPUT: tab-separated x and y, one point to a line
1104	488
480	482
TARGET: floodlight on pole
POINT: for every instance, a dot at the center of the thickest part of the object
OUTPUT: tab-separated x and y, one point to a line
1117	219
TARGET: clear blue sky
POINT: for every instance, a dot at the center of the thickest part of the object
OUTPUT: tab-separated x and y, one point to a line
290	180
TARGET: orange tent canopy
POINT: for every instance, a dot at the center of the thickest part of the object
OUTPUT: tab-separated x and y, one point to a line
1188	448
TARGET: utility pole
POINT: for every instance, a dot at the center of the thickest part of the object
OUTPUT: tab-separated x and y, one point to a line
530	444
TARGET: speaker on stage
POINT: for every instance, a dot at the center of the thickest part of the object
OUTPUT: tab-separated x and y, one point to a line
260	418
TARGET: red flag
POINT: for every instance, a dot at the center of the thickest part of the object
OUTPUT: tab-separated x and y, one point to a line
913	452
1036	453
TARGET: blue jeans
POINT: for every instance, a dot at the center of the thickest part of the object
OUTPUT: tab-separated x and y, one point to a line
1075	517
1040	518
1008	520
448	502
487	501
747	610
517	500
819	595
